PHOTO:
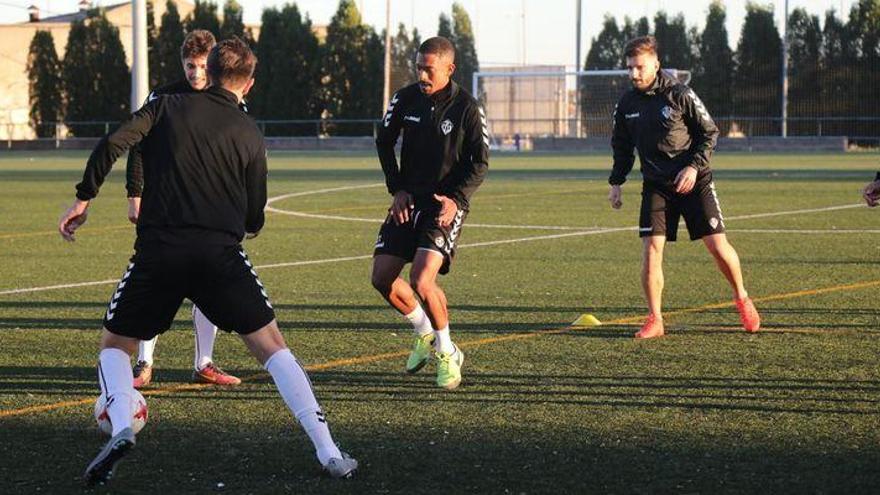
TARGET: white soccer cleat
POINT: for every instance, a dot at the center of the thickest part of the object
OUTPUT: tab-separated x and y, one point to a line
101	469
344	467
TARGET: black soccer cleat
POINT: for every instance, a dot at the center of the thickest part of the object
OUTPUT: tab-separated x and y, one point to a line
102	467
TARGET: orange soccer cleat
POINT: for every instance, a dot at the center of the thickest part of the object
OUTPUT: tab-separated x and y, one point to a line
212	373
142	374
748	315
652	328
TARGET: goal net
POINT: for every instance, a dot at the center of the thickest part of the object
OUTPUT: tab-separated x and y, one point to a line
543	101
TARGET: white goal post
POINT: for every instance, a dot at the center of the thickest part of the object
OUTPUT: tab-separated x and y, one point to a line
544	101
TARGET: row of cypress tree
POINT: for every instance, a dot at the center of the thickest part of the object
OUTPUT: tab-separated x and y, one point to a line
832	66
298	77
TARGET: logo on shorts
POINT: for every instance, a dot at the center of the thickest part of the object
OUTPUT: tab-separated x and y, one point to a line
439	241
713	222
446	127
666	112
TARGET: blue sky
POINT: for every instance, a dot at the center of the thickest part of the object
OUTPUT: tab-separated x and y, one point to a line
547	35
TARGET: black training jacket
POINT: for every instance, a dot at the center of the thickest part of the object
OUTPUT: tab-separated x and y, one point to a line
669	126
134	169
204	168
445	146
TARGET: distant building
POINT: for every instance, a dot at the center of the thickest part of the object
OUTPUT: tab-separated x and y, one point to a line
14	106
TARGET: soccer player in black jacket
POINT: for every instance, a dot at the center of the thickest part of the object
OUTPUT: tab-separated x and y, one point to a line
443	160
204	188
675	137
194	58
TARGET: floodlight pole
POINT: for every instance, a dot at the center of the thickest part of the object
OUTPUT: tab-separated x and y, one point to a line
785	71
140	72
386	90
577	67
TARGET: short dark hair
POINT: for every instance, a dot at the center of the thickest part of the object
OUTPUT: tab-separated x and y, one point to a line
438	45
641	45
231	62
197	43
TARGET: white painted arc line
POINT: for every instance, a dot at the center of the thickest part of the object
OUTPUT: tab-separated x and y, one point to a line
63	286
479	244
561	227
371	220
321	191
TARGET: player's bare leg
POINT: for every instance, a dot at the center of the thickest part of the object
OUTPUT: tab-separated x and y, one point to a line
652	284
386	279
728	262
423	278
115	379
268	346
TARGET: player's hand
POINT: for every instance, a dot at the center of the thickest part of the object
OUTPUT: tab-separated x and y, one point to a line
615	197
448	210
134	209
871	193
685	180
401	207
72	219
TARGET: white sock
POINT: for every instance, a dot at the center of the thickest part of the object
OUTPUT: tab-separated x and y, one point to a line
145	350
443	342
296	389
114	376
420	321
206	333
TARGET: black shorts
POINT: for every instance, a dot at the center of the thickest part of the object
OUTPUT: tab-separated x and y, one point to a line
219	279
662	208
421	232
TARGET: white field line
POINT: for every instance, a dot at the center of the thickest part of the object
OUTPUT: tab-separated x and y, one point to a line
591	231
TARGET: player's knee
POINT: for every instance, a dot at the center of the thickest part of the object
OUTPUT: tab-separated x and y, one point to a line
381	283
112	340
424	287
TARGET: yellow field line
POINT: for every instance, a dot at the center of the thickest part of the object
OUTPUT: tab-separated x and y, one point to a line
469	343
55	232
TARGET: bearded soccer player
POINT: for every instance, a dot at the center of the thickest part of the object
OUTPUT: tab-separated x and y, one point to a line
194	58
196	209
675	137
443	160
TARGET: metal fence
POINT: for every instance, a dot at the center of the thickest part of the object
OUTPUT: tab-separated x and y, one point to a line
857	129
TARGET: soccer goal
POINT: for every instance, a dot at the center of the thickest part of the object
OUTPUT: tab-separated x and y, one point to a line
549	101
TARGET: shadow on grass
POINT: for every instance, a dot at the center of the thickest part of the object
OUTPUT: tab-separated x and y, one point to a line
766	395
258	450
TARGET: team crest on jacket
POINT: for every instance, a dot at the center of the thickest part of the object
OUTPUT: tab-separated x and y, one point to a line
666	112
446	127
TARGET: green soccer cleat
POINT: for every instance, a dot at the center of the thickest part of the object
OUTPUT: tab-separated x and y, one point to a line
449	369
420	354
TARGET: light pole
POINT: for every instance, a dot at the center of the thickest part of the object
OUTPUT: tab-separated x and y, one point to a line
140	72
